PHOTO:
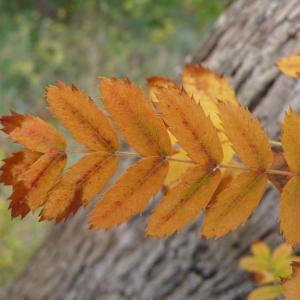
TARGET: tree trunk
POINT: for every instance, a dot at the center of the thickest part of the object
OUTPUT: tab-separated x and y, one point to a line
75	263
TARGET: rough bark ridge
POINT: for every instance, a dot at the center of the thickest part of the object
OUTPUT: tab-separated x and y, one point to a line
75	263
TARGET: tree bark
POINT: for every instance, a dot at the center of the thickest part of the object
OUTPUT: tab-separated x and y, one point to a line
75	263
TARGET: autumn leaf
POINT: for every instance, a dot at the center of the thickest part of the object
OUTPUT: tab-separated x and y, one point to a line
32	132
269	292
184	202
84	180
130	194
207	88
249	141
290	66
281	259
290	137
197	78
292	286
290	211
177	168
234	205
79	114
259	262
34	184
135	118
154	83
269	267
191	127
15	165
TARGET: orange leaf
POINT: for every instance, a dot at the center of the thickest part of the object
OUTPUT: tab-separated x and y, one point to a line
32	132
183	202
234	205
135	118
131	193
249	141
84	180
292	286
35	183
290	66
291	140
15	165
189	124
290	211
82	117
196	78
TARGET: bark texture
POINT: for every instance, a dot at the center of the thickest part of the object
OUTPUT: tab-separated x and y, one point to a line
75	263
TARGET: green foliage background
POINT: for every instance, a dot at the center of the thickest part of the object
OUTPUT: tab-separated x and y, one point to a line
43	41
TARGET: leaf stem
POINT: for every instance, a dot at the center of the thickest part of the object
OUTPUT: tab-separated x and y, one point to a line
188	161
268	171
276	143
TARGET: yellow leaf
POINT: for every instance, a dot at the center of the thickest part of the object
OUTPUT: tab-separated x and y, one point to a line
197	78
177	169
191	127
290	211
32	132
254	265
270	292
227	176
207	88
35	183
15	165
281	261
292	286
261	250
290	66
234	205
184	202
249	141
82	117
84	180
291	140
135	118
259	263
130	194
283	251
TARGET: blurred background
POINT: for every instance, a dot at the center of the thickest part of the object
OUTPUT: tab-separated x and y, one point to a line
76	41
